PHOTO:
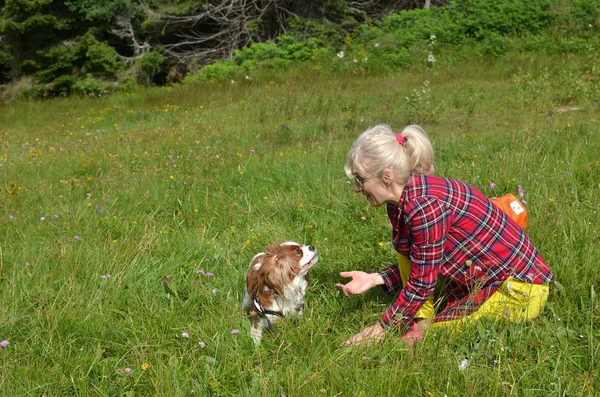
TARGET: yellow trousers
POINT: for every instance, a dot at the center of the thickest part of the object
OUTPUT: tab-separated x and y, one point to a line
513	301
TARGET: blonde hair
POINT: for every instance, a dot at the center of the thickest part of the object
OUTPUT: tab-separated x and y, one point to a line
378	148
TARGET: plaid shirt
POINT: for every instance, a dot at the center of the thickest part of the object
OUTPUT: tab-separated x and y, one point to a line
449	228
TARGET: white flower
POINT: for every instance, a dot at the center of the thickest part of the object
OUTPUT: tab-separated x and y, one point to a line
432	37
340	54
376	45
463	364
232	81
355	60
431	58
248	78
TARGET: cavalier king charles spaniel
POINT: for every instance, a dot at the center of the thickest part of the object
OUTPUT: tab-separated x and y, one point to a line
276	284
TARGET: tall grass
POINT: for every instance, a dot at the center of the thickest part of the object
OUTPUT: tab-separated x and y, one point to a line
171	181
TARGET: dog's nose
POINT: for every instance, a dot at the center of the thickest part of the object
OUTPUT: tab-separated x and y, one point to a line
311	248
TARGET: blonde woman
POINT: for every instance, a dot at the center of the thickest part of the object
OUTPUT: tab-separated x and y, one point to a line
440	227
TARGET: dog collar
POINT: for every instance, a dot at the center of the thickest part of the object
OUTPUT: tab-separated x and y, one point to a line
263	312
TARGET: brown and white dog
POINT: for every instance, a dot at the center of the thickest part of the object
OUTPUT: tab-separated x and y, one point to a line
276	284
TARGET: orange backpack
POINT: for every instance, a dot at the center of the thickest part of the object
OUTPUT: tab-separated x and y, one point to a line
513	207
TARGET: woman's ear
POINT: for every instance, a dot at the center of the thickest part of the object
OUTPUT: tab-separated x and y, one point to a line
388	176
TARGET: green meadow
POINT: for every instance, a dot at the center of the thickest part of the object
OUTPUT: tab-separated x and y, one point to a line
102	198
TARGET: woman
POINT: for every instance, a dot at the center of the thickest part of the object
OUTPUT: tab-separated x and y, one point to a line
441	227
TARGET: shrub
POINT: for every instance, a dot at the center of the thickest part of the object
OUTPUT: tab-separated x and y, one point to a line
103	58
148	66
92	86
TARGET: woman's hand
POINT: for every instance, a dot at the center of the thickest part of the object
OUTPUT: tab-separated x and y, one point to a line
375	333
360	283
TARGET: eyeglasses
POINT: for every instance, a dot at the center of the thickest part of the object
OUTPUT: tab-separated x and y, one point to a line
360	181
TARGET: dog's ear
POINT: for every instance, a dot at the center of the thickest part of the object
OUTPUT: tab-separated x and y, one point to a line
276	260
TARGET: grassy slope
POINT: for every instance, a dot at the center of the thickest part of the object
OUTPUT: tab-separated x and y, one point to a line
137	180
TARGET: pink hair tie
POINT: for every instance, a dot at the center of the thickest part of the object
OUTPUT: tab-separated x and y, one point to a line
400	138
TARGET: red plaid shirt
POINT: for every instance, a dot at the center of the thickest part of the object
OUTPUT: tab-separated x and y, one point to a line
449	228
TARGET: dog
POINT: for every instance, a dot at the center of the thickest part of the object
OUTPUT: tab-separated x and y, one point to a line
276	284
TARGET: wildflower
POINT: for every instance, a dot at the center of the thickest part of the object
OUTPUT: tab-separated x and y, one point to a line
10	217
463	364
252	151
127	370
217	157
363	218
507	313
77	238
232	81
362	120
105	276
88	195
145	366
43	218
492	186
4	343
185	335
430	58
376	45
524	202
209	274
214	292
235	331
202	345
248	78
200	271
432	37
340	54
348	183
381	244
365	358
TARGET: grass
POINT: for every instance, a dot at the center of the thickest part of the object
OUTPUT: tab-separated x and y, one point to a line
168	181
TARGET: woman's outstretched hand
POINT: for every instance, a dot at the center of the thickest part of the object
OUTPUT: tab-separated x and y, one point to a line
360	283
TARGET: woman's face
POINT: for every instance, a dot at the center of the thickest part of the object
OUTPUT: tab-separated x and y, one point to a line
375	189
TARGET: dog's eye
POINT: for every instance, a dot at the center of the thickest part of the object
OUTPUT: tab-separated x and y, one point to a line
298	251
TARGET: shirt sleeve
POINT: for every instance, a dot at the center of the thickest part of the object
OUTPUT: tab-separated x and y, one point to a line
391	279
429	225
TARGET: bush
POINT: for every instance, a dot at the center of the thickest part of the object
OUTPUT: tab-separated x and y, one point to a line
220	70
103	59
148	66
91	86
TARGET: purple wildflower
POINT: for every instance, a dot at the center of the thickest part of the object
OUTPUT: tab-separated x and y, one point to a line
4	343
202	345
77	238
217	157
185	335
199	271
43	218
209	274
127	370
492	185
235	331
105	276
214	292
10	217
